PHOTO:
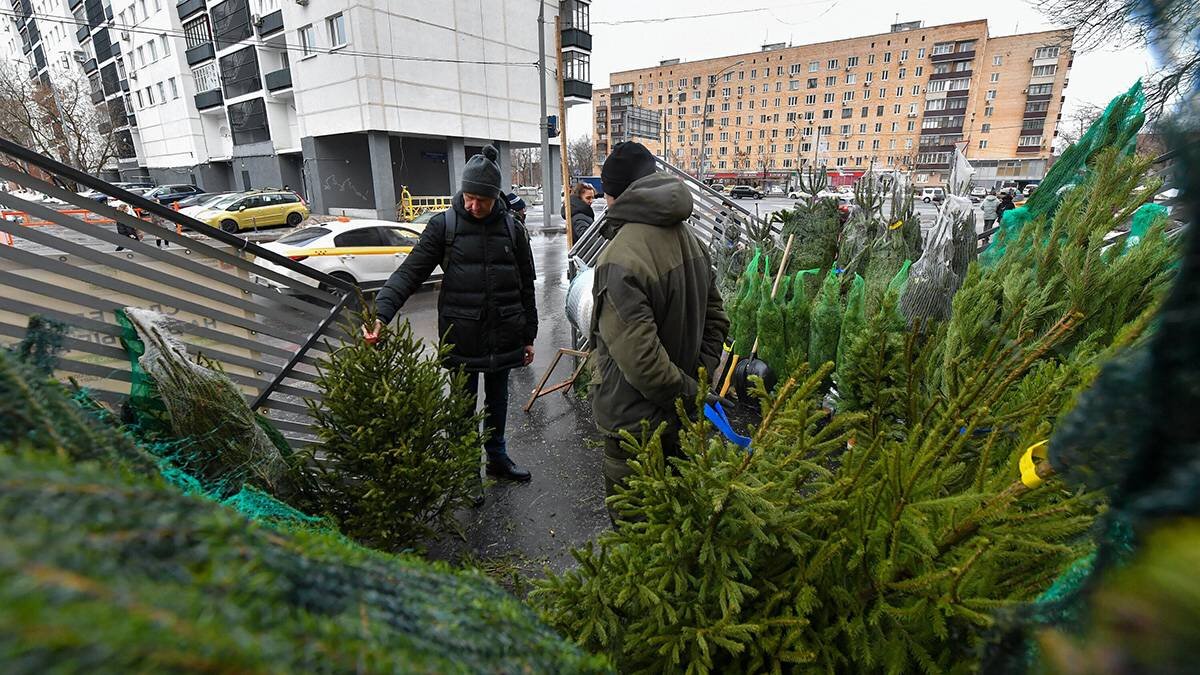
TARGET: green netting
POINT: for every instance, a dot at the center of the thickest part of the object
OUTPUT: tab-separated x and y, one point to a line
745	313
797	311
854	318
825	323
1117	127
772	331
1143	219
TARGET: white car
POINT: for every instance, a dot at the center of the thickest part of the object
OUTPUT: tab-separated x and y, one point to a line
798	194
363	252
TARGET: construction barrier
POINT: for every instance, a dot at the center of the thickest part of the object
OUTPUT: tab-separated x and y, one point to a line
410	207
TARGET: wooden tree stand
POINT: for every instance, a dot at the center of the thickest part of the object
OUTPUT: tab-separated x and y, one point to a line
541	390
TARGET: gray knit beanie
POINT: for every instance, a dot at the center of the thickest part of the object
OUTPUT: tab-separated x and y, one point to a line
482	175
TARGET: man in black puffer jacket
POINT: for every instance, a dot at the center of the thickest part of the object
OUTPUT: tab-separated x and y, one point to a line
486	308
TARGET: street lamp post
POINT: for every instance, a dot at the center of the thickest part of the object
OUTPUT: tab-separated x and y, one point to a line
704	118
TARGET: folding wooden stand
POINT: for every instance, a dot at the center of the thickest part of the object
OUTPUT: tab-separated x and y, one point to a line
541	390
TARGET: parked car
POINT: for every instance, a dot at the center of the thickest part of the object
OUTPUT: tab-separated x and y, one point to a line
248	210
718	187
169	194
93	194
798	194
128	185
363	252
1029	189
196	203
935	195
776	191
979	191
140	191
743	191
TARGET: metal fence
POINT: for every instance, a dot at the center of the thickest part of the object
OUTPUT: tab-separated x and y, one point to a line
63	264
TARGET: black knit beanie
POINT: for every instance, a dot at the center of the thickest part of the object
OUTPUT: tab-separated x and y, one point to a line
627	162
482	175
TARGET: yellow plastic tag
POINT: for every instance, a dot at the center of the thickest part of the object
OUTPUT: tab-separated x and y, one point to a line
728	346
1028	464
896	225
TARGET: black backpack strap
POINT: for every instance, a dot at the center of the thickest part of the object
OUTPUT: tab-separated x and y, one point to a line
448	239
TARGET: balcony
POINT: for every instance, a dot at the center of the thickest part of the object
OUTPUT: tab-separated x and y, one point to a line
958	93
271	23
577	89
279	79
209	99
90	66
1034	114
1039	97
187	8
955	75
952	56
942	131
1029	148
83	33
573	37
200	53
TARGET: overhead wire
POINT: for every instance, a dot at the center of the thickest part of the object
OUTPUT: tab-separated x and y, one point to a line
684	17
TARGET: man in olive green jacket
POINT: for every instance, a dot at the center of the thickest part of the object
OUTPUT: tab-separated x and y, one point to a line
658	315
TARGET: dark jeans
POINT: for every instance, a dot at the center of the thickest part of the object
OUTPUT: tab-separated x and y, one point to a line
495	406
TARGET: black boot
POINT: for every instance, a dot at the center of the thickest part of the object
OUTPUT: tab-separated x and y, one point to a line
504	468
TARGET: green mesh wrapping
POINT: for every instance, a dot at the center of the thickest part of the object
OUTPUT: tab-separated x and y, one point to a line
826	323
772	332
745	316
797	311
854	318
1143	219
1117	128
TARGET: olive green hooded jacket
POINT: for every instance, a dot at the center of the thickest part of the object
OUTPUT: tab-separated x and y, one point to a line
658	316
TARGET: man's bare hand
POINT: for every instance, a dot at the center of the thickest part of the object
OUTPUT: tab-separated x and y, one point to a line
528	354
372	334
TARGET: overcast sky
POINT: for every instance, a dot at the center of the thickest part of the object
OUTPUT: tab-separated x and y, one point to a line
1096	77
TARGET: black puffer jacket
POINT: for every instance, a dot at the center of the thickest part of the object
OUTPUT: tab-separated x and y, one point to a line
486	308
582	215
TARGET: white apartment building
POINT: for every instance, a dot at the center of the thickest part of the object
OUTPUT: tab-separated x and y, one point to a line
345	101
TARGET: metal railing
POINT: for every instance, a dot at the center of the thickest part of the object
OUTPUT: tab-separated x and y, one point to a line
267	339
711	211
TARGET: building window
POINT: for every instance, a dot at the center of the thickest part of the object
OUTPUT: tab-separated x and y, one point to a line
206	77
987	111
141	104
847	96
887	57
811	99
239	73
912	126
580	17
919	71
1045	53
851	61
986	128
842	146
141	52
903	54
870	59
850	78
997	60
793	100
966	46
1040	89
1029	141
943	48
337	30
794	69
812	83
308	40
1037	106
576	66
150	95
248	122
991	94
231	22
983	144
921	52
833	64
916	89
831	80
1043	71
995	77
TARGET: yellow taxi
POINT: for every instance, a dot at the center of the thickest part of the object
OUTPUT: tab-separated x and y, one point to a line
250	210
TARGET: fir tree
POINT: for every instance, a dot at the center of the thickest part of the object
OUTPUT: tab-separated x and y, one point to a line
825	323
399	447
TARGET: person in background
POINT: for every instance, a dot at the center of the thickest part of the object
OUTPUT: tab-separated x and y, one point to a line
122	228
516	206
486	307
1006	203
989	205
582	215
658	316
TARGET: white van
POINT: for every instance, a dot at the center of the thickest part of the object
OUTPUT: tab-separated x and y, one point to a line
933	194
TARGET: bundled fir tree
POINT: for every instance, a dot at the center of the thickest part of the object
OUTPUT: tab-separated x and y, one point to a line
825	322
399	447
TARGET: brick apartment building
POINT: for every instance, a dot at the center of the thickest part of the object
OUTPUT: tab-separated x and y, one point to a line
898	100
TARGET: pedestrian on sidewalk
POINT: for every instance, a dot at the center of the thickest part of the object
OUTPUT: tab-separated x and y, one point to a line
123	229
658	316
582	215
516	206
486	306
1006	203
989	206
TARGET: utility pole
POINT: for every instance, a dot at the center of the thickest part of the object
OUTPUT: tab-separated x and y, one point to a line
562	133
547	187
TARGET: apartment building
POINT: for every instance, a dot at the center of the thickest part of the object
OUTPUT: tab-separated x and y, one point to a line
901	100
347	101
